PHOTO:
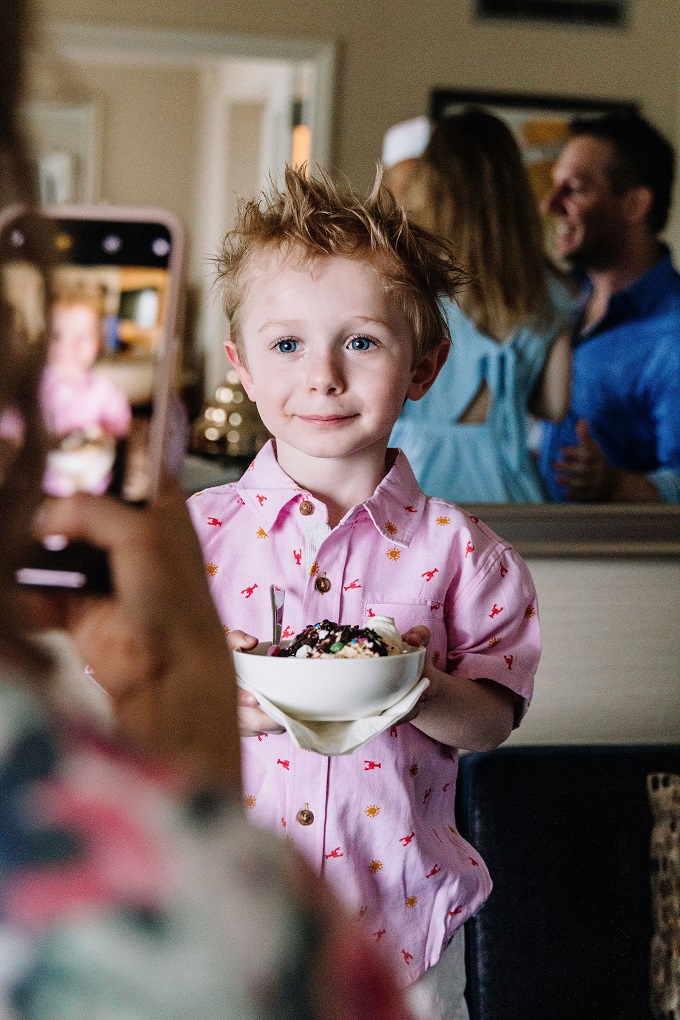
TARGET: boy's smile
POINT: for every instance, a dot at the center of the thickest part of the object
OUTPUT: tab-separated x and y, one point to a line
327	354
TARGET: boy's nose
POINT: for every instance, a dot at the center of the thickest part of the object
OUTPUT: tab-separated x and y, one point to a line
324	374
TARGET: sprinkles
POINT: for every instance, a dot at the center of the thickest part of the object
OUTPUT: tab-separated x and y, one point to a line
328	638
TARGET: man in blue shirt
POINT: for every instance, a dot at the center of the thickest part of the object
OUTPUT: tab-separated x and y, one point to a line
620	441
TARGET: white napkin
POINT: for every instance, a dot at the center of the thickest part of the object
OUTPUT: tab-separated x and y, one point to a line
339	737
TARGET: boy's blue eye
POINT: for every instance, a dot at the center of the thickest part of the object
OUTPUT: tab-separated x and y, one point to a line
361	343
287	346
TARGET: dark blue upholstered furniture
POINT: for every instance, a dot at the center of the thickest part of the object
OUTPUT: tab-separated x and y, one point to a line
565	832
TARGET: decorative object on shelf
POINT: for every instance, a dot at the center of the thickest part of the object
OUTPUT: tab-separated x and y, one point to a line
539	123
576	12
229	425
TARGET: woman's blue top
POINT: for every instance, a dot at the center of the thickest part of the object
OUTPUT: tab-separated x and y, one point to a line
488	462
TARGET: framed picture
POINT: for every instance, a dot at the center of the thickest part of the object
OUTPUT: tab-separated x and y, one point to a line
540	123
578	12
66	142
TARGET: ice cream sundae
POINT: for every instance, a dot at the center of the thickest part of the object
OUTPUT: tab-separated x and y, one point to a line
328	640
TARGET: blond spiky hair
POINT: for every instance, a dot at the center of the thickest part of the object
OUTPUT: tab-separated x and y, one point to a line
312	217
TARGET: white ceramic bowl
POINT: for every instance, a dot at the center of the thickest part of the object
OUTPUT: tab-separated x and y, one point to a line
330	690
85	470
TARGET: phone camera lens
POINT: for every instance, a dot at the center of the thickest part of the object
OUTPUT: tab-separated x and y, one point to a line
160	246
111	244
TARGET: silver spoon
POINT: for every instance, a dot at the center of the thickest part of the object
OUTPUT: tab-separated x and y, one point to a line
277	596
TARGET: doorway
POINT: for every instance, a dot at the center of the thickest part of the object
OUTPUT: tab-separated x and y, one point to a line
189	122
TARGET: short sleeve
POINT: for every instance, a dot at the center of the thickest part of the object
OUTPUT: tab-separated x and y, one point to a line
493	626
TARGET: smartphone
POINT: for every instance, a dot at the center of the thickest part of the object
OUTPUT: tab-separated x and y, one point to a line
110	312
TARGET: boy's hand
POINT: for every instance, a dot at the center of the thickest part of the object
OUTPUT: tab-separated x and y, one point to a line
239	641
253	722
418	637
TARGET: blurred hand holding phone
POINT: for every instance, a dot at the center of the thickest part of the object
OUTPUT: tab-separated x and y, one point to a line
107	394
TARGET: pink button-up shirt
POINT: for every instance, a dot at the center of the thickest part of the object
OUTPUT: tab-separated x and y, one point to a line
93	400
383	831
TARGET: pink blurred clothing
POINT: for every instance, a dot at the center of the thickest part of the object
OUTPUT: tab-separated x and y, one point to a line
95	400
383	831
11	426
124	896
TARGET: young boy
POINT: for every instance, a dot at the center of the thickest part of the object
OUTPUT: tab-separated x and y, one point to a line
85	412
335	321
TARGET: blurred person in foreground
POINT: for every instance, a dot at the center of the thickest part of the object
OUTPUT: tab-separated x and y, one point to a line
468	438
130	884
610	199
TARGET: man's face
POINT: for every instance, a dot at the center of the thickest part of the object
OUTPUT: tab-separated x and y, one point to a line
589	218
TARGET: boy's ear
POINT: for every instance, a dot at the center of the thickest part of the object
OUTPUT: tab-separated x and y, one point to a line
243	373
427	370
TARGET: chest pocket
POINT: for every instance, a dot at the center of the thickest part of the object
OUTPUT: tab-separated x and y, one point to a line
414	613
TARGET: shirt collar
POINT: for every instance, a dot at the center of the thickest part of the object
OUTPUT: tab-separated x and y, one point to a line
266	489
395	508
641	295
646	291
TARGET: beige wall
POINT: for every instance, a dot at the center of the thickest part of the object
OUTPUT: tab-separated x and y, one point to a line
150	145
392	53
610	668
163	106
387	64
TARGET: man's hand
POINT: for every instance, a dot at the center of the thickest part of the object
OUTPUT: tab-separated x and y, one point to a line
588	477
584	471
155	644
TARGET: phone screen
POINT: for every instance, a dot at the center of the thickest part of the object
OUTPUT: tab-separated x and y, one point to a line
110	324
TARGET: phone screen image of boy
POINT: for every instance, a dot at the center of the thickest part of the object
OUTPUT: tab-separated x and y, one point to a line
86	414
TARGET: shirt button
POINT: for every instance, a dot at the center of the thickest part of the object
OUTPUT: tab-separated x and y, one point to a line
305	817
322	584
306	507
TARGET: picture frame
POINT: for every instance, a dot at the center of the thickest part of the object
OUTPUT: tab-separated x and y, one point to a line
66	141
539	123
606	13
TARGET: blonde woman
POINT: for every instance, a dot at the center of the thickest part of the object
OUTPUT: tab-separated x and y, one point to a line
467	439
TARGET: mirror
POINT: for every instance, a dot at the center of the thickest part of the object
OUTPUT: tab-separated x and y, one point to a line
100	105
182	121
